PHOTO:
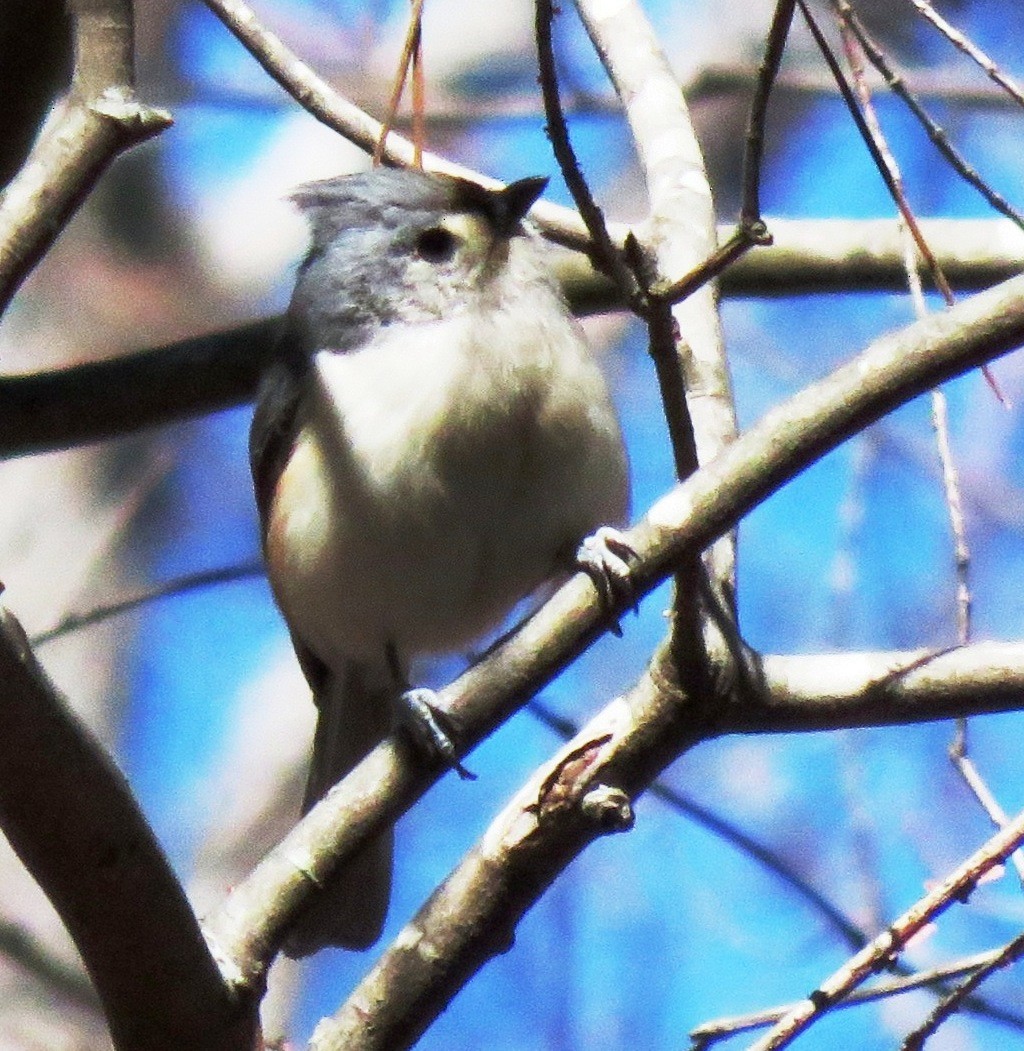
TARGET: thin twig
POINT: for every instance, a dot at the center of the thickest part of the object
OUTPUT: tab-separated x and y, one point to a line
710	1032
767	72
419	88
883	170
410	56
957	523
744	237
1008	85
965	766
937	135
178	586
957	887
606	255
946	1007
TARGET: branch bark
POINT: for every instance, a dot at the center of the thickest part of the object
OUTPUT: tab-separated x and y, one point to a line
98	119
249	927
106	399
586	791
71	818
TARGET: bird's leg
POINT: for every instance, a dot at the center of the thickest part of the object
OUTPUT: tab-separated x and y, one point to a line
422	719
605	557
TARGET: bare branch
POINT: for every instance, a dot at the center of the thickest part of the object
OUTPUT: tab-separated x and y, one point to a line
949	1005
686	342
710	1032
72	820
250	926
182	585
1009	86
108	398
958	886
815	692
680	233
96	121
938	136
767	73
606	255
569	802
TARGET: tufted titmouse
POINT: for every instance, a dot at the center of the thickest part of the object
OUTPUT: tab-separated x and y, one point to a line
432	445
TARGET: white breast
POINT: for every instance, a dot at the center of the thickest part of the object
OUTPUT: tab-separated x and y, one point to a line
435	483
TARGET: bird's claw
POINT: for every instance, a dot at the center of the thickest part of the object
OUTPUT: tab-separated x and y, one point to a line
606	558
422	718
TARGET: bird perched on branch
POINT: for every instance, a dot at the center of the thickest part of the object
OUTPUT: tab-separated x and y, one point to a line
432	445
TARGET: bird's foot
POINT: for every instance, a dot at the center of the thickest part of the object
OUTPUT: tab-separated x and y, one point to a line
605	557
421	717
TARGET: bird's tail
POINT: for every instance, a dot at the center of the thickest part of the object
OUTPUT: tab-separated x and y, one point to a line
354	716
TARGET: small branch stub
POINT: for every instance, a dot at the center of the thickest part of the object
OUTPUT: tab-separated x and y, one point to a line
608	808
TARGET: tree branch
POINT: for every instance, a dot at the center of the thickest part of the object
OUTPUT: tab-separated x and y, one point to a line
680	232
584	792
71	818
957	886
825	691
249	927
98	119
105	399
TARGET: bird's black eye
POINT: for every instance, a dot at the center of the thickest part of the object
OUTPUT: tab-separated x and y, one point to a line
436	245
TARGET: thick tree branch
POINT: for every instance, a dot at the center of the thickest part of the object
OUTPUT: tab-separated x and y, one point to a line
250	926
820	692
583	793
71	818
586	790
680	232
109	398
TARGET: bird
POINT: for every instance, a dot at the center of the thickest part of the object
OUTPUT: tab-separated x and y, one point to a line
431	445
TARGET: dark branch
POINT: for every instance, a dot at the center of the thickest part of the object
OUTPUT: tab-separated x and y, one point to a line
108	398
72	820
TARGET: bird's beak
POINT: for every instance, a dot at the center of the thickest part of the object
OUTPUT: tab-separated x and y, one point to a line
512	203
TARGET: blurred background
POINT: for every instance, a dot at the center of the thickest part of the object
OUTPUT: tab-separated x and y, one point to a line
199	696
